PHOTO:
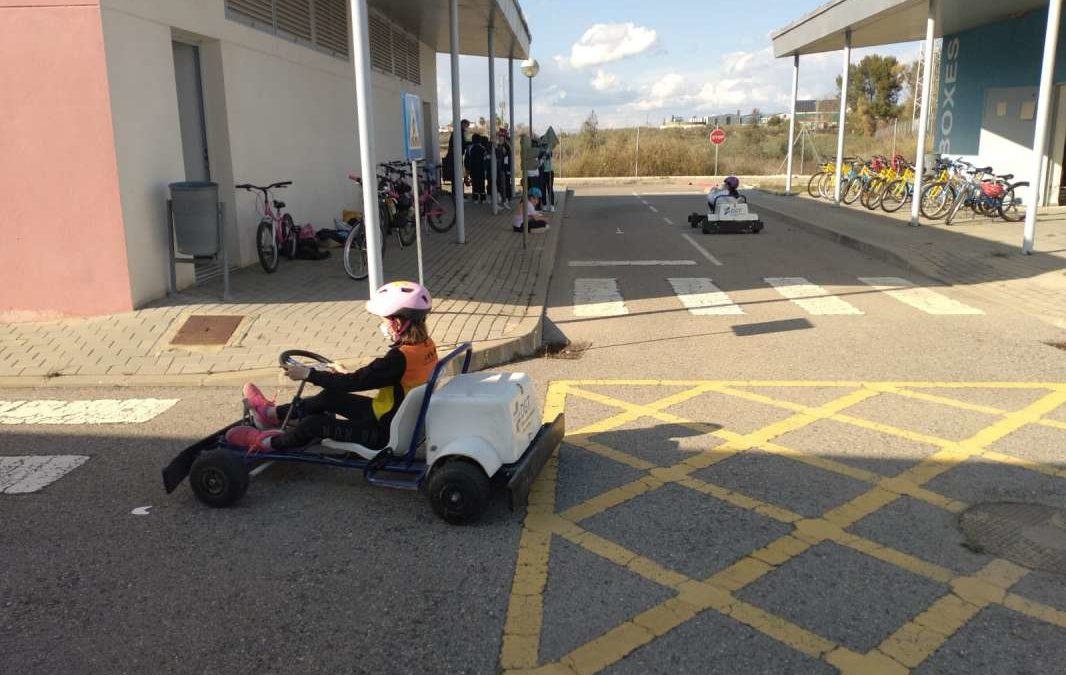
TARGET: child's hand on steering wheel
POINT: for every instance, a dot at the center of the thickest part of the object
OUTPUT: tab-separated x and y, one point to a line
296	372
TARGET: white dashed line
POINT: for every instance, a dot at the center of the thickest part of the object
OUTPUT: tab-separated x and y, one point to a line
631	263
703	298
704	252
924	299
29	473
810	297
101	411
598	297
668	221
653	209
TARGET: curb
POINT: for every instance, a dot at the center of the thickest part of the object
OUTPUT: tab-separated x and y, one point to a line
487	353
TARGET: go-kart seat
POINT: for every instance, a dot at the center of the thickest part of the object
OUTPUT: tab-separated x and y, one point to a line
400	431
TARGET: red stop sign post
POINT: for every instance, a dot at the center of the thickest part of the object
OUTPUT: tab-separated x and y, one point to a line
717	138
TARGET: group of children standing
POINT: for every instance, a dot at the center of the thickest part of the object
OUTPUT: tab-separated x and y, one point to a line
478	163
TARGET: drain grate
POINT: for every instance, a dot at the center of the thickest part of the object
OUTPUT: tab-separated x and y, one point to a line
206	330
1033	535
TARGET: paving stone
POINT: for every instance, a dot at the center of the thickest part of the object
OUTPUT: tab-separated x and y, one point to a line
1043	587
979	480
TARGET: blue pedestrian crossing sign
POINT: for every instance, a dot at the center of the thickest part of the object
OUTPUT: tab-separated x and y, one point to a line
414	145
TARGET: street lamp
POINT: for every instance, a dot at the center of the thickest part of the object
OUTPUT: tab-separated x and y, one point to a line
530	68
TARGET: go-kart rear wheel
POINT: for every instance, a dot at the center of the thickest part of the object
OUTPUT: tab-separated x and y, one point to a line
458	491
218	478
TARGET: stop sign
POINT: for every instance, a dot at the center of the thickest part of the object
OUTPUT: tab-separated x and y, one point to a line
717	137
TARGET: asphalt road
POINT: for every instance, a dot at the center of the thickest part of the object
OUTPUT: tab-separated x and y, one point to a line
682	464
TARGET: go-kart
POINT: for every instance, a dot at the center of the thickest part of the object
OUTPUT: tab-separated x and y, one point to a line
729	215
453	443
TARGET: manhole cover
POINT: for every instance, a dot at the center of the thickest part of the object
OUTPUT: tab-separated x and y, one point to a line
1033	535
206	330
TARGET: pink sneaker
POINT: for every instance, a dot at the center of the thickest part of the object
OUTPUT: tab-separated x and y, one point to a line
250	438
259	405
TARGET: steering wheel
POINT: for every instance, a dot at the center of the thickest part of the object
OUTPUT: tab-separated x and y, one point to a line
291	357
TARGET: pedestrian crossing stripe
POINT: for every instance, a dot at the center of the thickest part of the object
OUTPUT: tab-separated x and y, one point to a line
29	473
99	411
703	298
927	300
815	299
598	298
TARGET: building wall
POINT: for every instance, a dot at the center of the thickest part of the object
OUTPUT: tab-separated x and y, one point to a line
275	110
64	250
988	75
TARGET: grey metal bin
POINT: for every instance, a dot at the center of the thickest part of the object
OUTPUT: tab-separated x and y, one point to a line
197	228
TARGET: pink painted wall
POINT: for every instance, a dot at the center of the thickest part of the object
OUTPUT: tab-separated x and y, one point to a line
62	240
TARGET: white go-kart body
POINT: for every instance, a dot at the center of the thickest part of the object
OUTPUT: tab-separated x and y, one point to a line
727	215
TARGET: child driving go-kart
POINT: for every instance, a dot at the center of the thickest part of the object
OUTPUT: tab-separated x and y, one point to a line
727	211
336	413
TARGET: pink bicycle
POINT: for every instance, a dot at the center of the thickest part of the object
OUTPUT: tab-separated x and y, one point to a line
276	231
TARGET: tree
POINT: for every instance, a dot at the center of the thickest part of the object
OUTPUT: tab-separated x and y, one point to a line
590	130
874	87
774	121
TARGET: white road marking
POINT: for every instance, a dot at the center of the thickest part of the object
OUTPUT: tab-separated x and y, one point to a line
140	511
810	297
100	411
598	297
29	473
631	263
619	231
653	209
706	254
668	221
636	195
927	300
260	469
644	202
703	298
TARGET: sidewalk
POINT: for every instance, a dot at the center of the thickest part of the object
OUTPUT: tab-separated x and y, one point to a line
489	291
981	253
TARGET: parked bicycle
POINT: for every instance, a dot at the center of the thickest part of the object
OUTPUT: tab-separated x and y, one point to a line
395	215
276	231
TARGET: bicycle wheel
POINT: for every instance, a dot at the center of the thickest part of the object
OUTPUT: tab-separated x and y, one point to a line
936	200
871	199
812	185
355	264
439	210
956	205
851	191
406	227
895	196
288	236
267	246
827	185
1011	208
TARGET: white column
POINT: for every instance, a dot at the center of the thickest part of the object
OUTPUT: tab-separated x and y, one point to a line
792	122
923	116
457	128
1043	110
843	115
367	157
493	188
510	113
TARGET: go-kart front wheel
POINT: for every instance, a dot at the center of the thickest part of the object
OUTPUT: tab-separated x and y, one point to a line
218	478
458	491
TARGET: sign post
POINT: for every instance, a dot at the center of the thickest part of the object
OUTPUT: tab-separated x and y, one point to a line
414	150
717	138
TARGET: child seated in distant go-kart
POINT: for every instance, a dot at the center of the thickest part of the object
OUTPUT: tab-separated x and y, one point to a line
403	306
727	189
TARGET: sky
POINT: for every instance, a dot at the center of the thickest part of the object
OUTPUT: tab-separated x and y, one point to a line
637	62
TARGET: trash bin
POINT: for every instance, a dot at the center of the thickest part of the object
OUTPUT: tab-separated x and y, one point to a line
195	209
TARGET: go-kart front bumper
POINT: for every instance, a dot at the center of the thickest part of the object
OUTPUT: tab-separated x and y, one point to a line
521	474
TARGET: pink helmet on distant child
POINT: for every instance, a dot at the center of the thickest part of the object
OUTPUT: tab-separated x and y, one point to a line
404	299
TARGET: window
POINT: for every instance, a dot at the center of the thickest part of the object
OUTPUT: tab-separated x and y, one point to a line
320	24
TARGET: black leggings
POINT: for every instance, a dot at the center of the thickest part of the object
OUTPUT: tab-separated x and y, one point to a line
319	421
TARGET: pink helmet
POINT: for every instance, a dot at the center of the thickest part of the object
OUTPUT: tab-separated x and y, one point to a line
401	298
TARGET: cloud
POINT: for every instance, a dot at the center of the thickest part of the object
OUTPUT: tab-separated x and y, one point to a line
604	81
606	42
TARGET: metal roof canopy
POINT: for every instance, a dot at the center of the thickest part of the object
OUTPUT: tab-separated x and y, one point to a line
428	20
882	22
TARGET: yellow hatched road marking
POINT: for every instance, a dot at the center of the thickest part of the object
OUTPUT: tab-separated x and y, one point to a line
906	648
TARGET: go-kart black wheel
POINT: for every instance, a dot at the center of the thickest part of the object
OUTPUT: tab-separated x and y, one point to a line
218	478
459	491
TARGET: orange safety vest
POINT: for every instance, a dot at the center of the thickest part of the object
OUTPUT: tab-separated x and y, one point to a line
421	359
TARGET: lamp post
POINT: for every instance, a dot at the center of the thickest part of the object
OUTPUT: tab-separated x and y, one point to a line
530	68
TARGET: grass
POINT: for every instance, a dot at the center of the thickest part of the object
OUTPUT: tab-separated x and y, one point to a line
748	151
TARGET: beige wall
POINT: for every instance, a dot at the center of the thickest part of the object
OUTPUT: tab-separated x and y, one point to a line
275	110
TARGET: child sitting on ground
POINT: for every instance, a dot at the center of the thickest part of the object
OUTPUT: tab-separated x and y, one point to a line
537	220
412	355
